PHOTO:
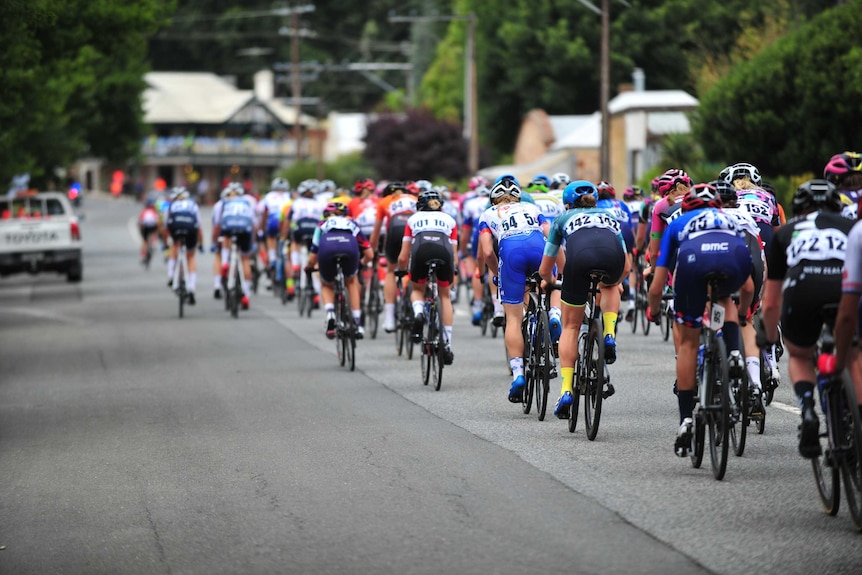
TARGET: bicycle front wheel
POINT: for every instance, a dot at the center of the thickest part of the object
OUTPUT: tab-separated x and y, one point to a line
527	362
436	319
718	408
595	379
739	416
182	296
372	312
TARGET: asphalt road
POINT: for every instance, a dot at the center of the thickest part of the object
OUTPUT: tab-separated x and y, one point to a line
135	442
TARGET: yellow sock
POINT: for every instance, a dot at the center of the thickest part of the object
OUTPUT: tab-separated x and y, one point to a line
568	378
610	320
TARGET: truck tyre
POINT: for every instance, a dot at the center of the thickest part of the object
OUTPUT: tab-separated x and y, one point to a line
75	272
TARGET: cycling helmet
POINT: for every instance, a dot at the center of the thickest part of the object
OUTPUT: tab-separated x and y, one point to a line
393	187
633	192
232	189
726	191
423	185
179	193
842	164
443	191
334	209
150	202
560	180
307	187
429	201
505	187
815	195
412	188
538	185
327	186
362	185
477	182
541	179
279	185
606	191
483	191
577	188
509	177
742	170
701	196
669	180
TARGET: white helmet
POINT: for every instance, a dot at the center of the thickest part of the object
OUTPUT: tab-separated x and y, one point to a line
506	187
560	180
482	190
280	185
307	186
179	193
327	186
423	185
232	189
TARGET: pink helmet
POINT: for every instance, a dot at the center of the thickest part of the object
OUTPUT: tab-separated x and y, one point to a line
477	181
842	164
668	181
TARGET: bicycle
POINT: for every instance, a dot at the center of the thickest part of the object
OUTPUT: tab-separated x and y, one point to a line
591	377
434	339
306	296
666	313
842	456
233	282
487	308
641	297
178	283
345	326
540	359
712	411
403	316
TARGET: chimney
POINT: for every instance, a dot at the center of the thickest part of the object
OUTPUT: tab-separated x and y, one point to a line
264	85
639	79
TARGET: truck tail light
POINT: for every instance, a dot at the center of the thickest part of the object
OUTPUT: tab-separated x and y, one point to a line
76	231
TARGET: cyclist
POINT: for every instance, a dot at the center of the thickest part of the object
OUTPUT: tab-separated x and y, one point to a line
394	208
549	204
305	213
702	240
184	225
363	206
339	236
759	203
558	183
520	231
471	210
608	201
430	234
845	171
729	204
270	212
327	192
237	224
634	201
804	267
593	241
149	221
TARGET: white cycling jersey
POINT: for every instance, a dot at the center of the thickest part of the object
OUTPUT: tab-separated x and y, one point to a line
306	209
852	282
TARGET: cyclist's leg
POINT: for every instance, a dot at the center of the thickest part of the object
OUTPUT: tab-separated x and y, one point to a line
172	257
192	268
327	271
516	255
392	248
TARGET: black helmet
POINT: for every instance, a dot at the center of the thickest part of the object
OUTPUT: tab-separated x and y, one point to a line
429	201
725	190
393	187
815	195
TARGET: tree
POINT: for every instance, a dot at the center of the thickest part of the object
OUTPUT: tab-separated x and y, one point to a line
71	78
414	146
795	104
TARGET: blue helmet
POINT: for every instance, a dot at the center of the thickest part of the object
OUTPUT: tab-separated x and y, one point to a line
508	177
577	188
541	179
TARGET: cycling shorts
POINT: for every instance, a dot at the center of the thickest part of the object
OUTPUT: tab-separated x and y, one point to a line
423	252
272	226
303	231
802	304
590	249
186	236
333	245
394	235
147	231
242	238
520	257
694	262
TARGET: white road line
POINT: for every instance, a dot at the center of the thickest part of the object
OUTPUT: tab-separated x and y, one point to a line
785	407
43	314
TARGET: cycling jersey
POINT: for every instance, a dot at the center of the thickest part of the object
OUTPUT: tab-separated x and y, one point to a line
760	205
621	212
148	218
518	229
755	248
451	208
433	236
338	237
593	242
364	212
663	213
634	207
549	204
852	274
393	211
183	216
698	243
304	215
271	206
237	220
851	199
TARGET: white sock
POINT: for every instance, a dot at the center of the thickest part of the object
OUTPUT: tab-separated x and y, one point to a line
193	280
555	313
246	287
225	256
517	366
172	265
418	307
217	282
631	304
447	329
477	305
295	259
768	353
270	253
357	315
753	366
389	312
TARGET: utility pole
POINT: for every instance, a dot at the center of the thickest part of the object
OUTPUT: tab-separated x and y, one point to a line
296	80
471	97
605	90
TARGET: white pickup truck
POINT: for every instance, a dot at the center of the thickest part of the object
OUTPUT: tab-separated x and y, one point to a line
39	232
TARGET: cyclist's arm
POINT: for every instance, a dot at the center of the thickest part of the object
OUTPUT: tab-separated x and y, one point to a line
486	247
374	240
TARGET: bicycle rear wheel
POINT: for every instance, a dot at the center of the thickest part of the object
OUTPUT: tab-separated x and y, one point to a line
827	475
718	412
664	324
698	439
182	295
580	384
595	380
543	361
428	358
372	314
437	363
739	417
852	461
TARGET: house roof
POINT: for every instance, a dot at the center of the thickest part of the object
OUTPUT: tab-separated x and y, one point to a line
652	100
202	98
587	134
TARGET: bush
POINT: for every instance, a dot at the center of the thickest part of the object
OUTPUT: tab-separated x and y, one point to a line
344	171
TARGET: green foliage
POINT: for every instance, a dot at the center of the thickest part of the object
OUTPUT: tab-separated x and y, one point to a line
789	109
344	171
71	77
